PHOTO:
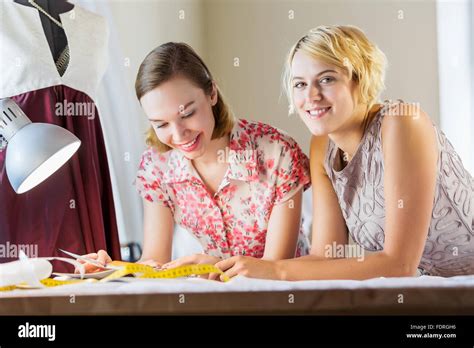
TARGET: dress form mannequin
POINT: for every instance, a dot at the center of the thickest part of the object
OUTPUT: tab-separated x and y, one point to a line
74	208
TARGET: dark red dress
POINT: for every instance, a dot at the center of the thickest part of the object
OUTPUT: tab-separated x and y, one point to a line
73	209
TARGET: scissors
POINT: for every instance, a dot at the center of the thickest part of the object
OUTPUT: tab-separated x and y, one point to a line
86	259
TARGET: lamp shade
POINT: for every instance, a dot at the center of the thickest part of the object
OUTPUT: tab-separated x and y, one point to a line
35	150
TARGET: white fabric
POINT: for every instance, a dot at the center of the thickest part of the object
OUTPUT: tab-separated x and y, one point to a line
239	283
123	127
307	212
26	62
184	243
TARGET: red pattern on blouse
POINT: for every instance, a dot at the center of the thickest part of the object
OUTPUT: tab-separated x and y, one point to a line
266	168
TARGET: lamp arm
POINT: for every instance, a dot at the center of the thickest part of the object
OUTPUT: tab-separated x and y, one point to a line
12	118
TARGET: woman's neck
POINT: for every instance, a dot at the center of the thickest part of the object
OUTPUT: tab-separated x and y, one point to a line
213	152
349	136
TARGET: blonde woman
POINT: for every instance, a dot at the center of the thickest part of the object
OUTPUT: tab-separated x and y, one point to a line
382	174
235	185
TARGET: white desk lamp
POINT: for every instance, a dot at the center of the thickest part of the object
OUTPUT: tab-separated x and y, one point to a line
35	150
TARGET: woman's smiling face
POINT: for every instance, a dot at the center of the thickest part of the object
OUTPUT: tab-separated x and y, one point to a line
181	115
323	95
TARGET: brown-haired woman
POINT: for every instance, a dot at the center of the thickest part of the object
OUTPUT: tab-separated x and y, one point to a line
236	185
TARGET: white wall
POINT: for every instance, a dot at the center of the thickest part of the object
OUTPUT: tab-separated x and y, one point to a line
456	68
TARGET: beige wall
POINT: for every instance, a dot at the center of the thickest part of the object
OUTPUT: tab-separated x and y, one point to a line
260	32
145	24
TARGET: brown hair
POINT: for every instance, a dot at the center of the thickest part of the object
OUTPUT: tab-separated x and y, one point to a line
179	59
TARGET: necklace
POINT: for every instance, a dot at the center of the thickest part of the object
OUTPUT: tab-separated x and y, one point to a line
63	60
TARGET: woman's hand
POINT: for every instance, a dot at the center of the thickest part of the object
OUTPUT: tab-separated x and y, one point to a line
249	267
195	259
101	256
151	263
192	260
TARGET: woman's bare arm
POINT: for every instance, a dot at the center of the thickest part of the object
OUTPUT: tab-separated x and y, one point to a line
410	160
158	232
328	223
283	229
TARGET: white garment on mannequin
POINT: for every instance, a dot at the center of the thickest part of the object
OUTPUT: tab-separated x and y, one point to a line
26	62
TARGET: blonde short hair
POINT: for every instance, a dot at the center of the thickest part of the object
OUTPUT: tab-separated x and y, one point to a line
348	48
179	59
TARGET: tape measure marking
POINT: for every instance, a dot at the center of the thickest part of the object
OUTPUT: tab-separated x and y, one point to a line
142	271
178	272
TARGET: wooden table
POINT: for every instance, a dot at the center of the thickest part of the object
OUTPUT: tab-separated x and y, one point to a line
415	301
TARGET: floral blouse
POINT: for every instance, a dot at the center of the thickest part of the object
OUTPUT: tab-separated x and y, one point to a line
266	168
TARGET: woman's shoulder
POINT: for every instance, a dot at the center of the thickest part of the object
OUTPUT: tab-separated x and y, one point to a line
154	162
408	136
405	122
407	112
151	154
317	151
265	135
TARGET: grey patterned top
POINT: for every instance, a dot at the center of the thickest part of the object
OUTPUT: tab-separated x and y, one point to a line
449	248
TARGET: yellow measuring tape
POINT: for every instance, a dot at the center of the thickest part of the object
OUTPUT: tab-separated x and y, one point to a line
150	272
141	271
48	282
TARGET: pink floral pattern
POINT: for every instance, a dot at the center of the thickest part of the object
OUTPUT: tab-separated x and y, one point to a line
266	168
